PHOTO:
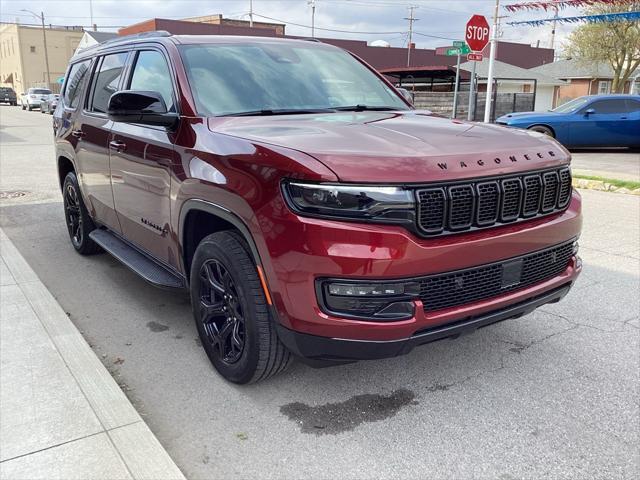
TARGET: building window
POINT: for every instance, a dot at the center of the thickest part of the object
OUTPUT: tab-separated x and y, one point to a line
604	87
32	49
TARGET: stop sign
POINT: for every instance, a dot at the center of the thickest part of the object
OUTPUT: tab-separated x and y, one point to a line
477	33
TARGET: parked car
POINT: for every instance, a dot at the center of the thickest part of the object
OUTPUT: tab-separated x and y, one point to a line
305	205
49	104
590	121
33	98
8	95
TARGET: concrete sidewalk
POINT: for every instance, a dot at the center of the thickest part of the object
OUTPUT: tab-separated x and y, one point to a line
62	416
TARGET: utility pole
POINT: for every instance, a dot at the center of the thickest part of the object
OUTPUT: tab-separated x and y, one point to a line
91	15
44	38
553	29
492	60
251	13
312	3
455	91
411	19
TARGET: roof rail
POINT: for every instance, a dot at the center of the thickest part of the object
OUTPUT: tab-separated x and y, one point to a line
126	38
151	34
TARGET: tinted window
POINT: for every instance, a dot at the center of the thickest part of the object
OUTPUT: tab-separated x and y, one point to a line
609	106
633	105
40	91
227	79
75	81
571	106
151	72
107	80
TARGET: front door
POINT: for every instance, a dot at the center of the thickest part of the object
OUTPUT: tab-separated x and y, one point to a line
141	160
602	126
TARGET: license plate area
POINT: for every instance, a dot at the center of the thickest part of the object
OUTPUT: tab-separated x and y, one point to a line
511	273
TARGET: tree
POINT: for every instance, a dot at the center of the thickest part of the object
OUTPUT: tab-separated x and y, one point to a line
614	43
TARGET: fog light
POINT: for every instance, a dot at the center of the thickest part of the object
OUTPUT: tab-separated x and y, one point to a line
370	300
375	290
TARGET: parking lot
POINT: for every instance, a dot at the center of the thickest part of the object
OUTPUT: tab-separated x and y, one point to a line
551	395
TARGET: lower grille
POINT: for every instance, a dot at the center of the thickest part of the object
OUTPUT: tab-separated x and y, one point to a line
486	281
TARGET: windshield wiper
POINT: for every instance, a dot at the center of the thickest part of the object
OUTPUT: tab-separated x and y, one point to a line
362	108
282	111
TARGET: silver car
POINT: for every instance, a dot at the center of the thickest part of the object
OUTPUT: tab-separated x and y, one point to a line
33	98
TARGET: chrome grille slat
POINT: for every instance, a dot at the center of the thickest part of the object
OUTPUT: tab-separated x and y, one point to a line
461	206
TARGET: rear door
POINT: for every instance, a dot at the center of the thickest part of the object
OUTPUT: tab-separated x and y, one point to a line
141	160
603	128
92	130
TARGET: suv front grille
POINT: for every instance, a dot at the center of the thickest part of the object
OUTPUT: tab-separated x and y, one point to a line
465	286
460	206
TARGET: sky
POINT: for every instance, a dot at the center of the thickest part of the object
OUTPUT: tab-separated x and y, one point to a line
439	21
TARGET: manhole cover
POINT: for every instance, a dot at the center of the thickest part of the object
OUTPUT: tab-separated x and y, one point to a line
12	194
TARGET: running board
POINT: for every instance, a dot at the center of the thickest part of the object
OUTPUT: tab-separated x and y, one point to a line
149	269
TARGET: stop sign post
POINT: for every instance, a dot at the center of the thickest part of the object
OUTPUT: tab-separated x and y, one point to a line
477	36
477	33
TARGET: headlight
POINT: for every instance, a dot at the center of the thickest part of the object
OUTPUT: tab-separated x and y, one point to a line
386	204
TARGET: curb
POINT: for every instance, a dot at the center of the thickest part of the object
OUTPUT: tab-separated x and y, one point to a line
138	448
602	186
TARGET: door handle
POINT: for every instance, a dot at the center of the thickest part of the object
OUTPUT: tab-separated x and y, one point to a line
78	133
117	145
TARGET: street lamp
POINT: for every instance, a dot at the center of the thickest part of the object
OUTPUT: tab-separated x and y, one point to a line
44	38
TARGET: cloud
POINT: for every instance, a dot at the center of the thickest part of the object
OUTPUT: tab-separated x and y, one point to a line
444	18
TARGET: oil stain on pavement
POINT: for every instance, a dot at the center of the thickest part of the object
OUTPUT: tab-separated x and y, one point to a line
156	327
334	418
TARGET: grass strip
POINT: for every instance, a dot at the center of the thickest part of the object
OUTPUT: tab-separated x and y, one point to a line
630	184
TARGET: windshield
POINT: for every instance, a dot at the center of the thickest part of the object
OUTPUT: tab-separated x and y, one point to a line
258	77
571	106
41	91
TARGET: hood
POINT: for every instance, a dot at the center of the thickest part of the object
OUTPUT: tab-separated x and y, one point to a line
525	115
399	147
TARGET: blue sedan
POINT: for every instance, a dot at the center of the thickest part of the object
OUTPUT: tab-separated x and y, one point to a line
590	121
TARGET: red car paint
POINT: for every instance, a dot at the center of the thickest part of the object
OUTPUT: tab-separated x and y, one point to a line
238	163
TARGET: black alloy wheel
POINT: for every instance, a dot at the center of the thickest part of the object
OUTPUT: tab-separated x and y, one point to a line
221	313
79	223
231	311
74	218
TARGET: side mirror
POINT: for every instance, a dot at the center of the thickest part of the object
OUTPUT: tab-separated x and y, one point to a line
145	107
589	111
408	96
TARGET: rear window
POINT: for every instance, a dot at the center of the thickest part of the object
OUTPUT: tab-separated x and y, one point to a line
6	90
40	91
75	82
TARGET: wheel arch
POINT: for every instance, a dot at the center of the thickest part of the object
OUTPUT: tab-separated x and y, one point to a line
553	130
192	230
65	165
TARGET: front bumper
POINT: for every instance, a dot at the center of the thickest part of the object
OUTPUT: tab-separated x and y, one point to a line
340	350
299	251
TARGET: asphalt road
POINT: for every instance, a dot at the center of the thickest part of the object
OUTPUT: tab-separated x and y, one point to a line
550	395
620	164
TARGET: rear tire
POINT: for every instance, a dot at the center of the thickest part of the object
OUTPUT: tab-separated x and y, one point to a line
23	107
231	312
77	218
542	129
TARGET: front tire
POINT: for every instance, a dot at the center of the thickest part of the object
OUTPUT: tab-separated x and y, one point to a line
23	107
542	129
231	312
79	223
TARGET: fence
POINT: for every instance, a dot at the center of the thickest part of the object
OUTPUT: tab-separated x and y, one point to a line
442	103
